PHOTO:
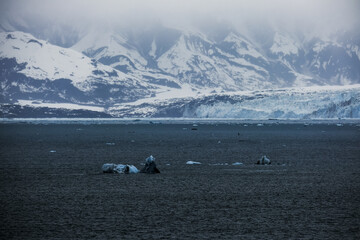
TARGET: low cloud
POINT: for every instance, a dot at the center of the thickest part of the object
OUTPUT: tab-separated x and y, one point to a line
323	16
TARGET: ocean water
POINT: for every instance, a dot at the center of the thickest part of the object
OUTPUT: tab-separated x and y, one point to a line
52	185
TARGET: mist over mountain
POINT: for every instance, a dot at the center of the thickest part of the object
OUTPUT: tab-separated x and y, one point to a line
117	52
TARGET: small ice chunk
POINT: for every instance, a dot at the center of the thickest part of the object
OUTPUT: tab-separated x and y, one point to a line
150	159
192	162
237	163
119	168
52	151
260	125
108	168
339	125
264	161
133	169
110	144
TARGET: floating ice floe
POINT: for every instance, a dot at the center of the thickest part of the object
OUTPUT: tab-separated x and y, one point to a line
264	161
219	164
339	125
237	163
260	125
110	143
192	162
150	166
52	151
119	168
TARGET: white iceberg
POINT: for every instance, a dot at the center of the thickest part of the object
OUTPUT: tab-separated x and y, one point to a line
192	162
119	168
237	163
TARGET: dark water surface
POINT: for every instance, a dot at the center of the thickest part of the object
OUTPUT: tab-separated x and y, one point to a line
310	191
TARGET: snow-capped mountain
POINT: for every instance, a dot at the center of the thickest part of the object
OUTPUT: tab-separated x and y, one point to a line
230	62
111	68
35	69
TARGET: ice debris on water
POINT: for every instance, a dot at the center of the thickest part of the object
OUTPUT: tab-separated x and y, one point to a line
119	168
52	151
218	164
264	161
150	166
110	143
237	163
192	162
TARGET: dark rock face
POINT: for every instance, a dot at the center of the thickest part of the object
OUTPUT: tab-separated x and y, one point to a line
150	166
264	161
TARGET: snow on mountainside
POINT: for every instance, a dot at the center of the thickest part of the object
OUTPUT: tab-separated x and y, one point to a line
115	50
284	45
34	69
46	61
231	62
110	48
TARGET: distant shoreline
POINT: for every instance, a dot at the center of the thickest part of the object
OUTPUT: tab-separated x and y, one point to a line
174	121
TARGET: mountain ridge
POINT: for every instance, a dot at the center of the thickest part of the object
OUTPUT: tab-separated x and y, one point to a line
108	68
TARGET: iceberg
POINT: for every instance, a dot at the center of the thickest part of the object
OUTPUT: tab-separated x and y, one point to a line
264	161
150	166
192	162
119	168
237	163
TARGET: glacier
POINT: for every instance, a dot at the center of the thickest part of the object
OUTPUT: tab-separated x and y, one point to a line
327	102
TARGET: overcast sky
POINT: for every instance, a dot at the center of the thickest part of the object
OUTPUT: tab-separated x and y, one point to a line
311	15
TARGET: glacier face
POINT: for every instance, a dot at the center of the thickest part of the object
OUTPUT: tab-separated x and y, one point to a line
295	103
